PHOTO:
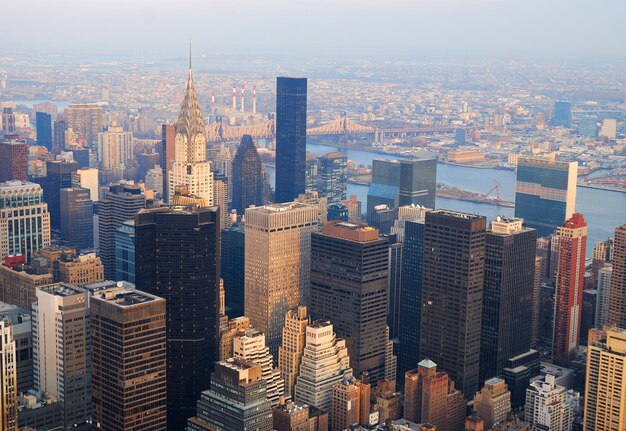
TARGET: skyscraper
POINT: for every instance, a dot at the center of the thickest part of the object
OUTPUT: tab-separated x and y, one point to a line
128	341
88	179
346	404
333	179
115	151
177	259
14	161
247	176
547	407
291	99
325	362
605	384
239	385
604	294
617	298
61	351
125	252
545	193
402	182
290	352
43	123
60	127
8	376
562	114
77	218
349	275
120	203
570	278
86	120
167	153
277	264
59	177
233	264
190	166
452	294
507	294
27	230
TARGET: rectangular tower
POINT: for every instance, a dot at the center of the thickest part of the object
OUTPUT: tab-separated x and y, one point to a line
333	180
452	294
277	264
349	276
128	341
8	376
14	161
77	217
43	122
545	193
617	296
86	120
59	176
291	99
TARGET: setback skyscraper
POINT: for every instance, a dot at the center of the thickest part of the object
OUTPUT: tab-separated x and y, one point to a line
291	99
452	294
507	294
247	176
617	296
177	259
545	193
349	275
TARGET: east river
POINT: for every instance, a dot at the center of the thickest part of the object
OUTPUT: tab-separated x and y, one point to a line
604	210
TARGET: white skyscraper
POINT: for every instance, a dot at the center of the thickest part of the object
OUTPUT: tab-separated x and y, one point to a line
191	167
8	377
115	150
546	406
325	362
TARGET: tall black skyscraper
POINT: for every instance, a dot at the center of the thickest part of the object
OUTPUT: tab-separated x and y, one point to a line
290	138
452	294
177	259
233	267
410	312
60	127
43	123
507	294
77	217
59	176
247	176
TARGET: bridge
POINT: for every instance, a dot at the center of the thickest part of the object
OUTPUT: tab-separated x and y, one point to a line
342	126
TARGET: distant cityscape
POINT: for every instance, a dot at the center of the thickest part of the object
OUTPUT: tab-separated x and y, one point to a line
362	247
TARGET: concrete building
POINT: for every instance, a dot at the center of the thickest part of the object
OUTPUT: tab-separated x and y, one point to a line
14	160
350	405
617	296
608	129
78	269
605	383
233	327
289	416
125	251
87	178
349	275
8	376
23	231
292	347
61	351
277	264
546	406
238	384
250	345
128	342
325	362
115	151
86	120
493	402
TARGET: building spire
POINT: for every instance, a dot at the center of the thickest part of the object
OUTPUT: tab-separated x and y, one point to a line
190	54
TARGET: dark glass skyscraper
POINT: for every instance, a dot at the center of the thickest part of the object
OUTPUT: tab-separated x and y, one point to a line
291	97
402	182
410	312
60	127
562	114
233	268
545	193
59	176
177	259
43	123
77	217
452	294
247	176
507	294
333	180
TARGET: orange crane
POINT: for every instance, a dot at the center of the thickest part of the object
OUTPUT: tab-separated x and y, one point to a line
496	187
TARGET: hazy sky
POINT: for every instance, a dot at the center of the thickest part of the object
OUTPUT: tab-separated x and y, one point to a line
333	28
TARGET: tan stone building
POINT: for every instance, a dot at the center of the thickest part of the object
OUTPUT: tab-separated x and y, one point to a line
290	352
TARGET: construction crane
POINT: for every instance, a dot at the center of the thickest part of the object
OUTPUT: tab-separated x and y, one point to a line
496	187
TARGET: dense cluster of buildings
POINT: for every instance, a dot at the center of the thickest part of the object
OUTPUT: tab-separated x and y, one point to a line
208	301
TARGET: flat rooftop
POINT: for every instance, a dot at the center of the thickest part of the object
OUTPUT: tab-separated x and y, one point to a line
62	289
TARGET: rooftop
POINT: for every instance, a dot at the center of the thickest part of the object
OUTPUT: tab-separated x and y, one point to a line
62	289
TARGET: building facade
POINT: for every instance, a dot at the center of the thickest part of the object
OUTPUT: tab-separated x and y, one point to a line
115	151
86	120
292	348
59	176
43	123
333	176
546	406
8	376
77	218
247	176
14	161
233	264
617	296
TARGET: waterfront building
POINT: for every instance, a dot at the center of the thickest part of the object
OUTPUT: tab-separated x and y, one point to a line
277	264
291	109
452	294
545	192
176	259
26	231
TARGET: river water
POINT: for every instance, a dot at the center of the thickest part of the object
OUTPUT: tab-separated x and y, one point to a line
604	210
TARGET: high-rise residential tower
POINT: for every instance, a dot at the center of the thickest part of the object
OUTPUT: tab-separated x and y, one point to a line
604	296
570	279
61	350
191	167
177	259
349	275
617	296
545	192
43	122
14	161
547	406
115	151
277	264
28	230
291	99
86	120
333	179
128	342
120	203
452	294
507	294
167	153
247	176
290	352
